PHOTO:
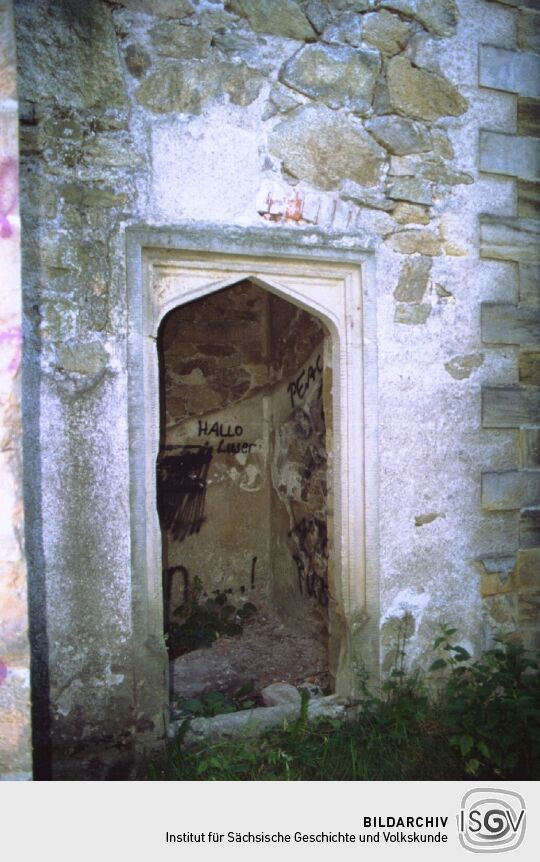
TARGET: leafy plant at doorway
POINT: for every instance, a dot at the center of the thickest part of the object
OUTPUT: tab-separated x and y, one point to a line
202	620
215	703
181	480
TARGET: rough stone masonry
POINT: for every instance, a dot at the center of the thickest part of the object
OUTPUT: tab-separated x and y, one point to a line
413	122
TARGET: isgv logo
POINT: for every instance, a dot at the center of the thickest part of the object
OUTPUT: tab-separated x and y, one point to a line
491	820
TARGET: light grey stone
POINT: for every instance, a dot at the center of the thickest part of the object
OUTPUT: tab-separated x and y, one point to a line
281	100
510	406
508	238
399	135
513	489
186	87
80	358
513	155
171	39
502	323
276	17
253	722
513	71
161	8
349	5
417	241
413	280
499	565
410	189
90	47
358	194
337	75
385	31
318	14
346	30
461	367
413	315
438	171
438	16
280	693
422	95
324	148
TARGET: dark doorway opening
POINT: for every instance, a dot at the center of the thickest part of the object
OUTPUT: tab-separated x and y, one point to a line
243	498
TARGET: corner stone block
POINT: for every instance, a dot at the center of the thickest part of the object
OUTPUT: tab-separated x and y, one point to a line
529	529
529	367
521	4
528	569
514	489
512	71
529	284
528	117
528	199
508	238
511	155
510	406
509	324
530	448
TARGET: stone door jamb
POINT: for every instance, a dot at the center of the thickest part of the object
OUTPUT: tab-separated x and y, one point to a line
330	276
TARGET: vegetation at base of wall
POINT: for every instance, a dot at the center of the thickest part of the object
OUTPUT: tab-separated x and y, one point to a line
202	620
481	720
214	703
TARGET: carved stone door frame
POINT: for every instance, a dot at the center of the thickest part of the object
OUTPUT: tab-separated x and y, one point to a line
329	276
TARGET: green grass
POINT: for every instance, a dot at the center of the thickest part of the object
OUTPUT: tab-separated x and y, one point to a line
481	721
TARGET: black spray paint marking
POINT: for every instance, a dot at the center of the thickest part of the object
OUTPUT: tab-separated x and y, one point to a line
297	388
182	481
219	429
235	448
309	547
253	564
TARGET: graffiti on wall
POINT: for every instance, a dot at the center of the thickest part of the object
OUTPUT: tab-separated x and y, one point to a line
222	431
182	474
299	387
308	543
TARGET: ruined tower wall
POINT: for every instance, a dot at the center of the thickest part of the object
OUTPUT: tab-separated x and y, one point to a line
399	120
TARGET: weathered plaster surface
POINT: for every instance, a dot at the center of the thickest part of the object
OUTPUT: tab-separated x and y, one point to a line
220	113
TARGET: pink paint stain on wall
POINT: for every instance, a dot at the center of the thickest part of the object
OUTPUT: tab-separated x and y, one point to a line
10	349
9	195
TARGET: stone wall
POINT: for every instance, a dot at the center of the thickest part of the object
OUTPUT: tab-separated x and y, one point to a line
15	747
353	116
511	581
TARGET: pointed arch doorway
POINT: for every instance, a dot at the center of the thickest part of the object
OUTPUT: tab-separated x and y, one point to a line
328	287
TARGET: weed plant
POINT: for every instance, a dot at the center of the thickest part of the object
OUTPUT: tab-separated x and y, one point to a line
483	721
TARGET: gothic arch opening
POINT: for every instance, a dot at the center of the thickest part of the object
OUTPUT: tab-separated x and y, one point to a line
243	491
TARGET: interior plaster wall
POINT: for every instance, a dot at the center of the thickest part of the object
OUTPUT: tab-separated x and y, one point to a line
230	363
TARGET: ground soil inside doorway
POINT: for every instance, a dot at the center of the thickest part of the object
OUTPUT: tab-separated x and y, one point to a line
267	651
